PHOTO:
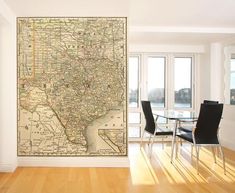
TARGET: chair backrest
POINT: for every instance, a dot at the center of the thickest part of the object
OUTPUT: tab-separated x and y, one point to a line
150	124
210	102
208	121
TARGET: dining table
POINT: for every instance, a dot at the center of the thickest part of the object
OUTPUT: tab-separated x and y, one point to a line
178	116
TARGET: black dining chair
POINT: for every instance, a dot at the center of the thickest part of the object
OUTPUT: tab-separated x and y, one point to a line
189	128
151	126
210	102
206	131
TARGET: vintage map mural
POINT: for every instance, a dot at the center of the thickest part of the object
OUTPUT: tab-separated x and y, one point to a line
72	98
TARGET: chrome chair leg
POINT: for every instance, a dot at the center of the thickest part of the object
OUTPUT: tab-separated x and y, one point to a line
162	143
222	155
177	141
173	141
213	152
141	142
197	150
172	147
192	150
149	139
152	142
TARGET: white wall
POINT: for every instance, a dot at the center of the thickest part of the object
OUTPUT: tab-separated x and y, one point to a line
204	74
8	108
227	130
213	79
8	127
216	71
227	127
164	48
210	84
8	82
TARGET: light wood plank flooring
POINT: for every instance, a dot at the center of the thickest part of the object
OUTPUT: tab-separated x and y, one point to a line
147	173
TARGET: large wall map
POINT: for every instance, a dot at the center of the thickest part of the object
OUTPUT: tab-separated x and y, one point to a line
72	86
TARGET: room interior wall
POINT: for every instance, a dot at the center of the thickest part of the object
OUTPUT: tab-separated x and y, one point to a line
214	90
8	111
204	75
8	158
210	77
227	126
8	98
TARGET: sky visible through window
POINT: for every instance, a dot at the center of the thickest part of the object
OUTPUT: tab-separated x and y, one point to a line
232	80
133	72
155	72
182	73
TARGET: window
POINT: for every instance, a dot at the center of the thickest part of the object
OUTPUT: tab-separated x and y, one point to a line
229	74
133	81
232	81
164	79
134	122
156	81
182	82
134	116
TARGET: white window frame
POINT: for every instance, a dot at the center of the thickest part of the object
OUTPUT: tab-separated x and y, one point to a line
169	84
138	108
229	51
193	76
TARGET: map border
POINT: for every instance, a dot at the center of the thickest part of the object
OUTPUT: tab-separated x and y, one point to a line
125	20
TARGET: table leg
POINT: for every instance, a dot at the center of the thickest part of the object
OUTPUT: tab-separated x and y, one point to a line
173	140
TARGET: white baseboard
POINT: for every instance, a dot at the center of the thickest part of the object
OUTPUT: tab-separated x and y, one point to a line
73	161
7	167
228	144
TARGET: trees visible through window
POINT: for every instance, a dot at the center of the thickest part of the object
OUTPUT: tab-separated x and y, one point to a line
165	80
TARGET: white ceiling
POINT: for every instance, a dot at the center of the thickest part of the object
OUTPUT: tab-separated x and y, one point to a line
180	15
197	13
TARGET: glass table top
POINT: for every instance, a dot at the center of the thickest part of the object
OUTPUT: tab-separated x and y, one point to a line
174	114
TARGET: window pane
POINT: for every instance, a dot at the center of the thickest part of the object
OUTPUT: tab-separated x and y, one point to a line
134	118
232	82
134	132
156	81
133	81
233	64
182	80
160	120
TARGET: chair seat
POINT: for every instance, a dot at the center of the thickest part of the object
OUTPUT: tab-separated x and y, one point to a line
164	131
203	141
186	136
186	128
161	131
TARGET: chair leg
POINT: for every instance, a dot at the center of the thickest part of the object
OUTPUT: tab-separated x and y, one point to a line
181	142
173	141
149	139
197	150
141	142
213	152
152	142
177	141
222	155
172	147
191	150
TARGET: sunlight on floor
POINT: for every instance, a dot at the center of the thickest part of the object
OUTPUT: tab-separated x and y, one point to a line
155	168
142	171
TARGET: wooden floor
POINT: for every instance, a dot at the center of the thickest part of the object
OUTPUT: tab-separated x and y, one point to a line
146	174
